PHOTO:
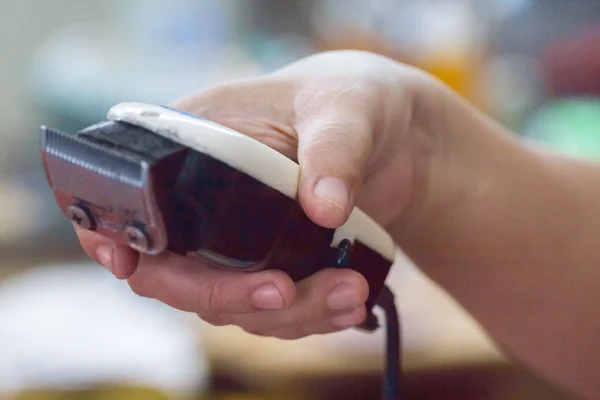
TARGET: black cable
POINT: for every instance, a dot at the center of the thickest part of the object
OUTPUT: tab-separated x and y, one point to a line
386	301
393	362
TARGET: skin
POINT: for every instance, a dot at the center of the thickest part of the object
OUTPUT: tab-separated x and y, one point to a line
508	230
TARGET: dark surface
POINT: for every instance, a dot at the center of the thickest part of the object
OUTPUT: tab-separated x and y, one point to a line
494	382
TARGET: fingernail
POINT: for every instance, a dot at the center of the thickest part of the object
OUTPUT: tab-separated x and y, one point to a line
342	297
346	320
105	255
268	297
334	191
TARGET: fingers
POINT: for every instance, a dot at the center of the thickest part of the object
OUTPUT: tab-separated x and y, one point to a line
210	292
266	303
333	151
328	301
190	285
118	259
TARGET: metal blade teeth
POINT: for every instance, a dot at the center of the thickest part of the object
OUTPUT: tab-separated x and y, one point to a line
72	149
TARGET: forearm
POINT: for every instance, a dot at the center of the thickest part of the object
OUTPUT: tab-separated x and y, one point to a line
513	234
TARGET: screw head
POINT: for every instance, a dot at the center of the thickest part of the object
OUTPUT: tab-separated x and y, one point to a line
137	239
80	217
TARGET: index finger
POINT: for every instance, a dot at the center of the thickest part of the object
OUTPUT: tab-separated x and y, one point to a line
121	260
191	285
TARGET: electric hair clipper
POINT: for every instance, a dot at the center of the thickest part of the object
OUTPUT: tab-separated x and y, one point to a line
157	179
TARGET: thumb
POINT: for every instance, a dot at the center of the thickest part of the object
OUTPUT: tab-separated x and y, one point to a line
333	152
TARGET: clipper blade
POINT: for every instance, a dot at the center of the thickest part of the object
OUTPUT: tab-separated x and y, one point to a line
103	186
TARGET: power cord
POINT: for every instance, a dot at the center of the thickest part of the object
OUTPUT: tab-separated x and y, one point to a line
385	301
393	362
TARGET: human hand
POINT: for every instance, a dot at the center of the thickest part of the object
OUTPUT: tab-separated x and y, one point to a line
351	120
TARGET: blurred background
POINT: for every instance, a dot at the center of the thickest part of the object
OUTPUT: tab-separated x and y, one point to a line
67	330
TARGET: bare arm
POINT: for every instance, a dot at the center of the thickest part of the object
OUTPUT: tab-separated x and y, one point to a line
513	234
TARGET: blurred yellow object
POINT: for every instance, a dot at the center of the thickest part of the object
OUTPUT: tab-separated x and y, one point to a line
459	71
446	40
132	393
241	396
451	44
99	393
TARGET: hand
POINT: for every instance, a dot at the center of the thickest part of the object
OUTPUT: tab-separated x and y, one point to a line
351	121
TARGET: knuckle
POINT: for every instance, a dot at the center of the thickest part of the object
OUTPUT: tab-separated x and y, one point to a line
338	137
209	298
336	148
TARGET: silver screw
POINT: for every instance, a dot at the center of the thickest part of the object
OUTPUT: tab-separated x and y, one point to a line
137	239
79	216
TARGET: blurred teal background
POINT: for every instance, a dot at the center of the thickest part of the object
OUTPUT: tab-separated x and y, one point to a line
533	65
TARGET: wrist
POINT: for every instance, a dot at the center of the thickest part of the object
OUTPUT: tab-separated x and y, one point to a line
470	163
